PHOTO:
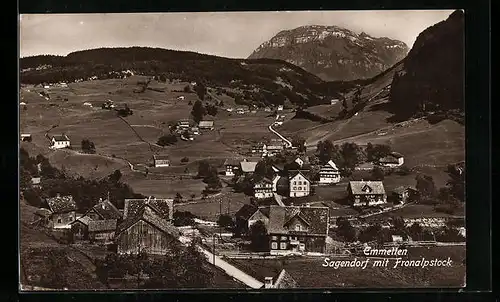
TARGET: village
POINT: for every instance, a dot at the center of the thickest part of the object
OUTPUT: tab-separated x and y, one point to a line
291	202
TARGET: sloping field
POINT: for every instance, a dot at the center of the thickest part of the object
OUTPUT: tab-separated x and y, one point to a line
422	144
86	165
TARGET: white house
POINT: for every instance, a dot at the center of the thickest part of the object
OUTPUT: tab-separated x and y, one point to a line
392	160
334	101
299	185
59	141
25	137
161	161
280	108
263	189
329	173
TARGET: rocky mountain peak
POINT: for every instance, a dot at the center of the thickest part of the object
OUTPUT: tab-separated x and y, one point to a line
333	52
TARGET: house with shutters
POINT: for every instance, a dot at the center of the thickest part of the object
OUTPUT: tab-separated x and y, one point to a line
329	173
62	211
60	142
263	188
147	227
366	193
297	229
299	185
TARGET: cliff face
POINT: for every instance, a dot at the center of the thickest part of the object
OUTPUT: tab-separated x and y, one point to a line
333	53
432	77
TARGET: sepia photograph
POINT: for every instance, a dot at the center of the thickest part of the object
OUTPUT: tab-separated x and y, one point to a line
242	150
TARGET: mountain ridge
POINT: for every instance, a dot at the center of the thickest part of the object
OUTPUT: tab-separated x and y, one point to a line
333	53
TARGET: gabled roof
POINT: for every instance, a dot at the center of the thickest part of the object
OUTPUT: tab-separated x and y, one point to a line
163	207
365	166
84	220
60	138
161	157
246	211
315	217
102	225
374	187
402	189
329	166
264	180
397	154
61	204
389	159
106	210
278	167
248	166
297	173
206	124
151	218
43	212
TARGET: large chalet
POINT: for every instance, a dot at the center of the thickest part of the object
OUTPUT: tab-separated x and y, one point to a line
366	193
297	229
329	173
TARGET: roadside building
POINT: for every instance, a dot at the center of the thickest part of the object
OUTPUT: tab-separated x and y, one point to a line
297	229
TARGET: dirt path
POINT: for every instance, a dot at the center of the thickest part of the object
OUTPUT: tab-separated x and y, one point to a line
231	270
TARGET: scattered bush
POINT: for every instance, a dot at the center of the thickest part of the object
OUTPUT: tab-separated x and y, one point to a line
167	140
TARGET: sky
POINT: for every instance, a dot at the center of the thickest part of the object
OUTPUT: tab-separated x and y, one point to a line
226	34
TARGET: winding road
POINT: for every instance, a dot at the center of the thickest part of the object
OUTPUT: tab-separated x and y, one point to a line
289	143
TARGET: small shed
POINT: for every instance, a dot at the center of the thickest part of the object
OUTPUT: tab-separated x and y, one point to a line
102	231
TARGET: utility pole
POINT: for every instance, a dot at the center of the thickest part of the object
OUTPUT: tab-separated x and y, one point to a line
220	214
213	243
